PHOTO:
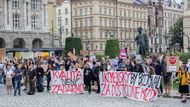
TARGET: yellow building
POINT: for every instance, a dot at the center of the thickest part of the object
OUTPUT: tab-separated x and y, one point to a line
52	23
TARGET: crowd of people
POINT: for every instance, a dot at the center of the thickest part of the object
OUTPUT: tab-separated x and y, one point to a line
30	73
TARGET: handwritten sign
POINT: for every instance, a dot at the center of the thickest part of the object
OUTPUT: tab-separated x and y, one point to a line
72	56
2	54
67	82
172	63
136	86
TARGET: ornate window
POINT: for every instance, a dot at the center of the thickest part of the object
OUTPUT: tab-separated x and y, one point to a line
34	22
16	21
35	4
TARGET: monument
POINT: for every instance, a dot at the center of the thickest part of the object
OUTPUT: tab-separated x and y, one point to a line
186	25
142	43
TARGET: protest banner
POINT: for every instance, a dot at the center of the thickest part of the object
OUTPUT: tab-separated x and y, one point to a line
172	63
42	54
72	56
136	86
84	52
27	55
2	54
10	55
123	53
67	82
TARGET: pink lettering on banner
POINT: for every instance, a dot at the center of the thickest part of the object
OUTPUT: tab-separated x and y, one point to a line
131	85
67	82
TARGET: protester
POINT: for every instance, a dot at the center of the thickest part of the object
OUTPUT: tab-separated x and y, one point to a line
166	76
25	70
18	78
158	71
32	79
183	77
138	67
1	73
98	69
48	76
88	75
40	74
9	76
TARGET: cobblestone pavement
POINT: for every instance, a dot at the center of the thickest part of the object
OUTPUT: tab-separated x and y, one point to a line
79	100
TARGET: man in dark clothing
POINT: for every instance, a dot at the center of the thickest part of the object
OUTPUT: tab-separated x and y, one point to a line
40	74
18	78
138	67
98	69
32	78
158	71
88	75
129	66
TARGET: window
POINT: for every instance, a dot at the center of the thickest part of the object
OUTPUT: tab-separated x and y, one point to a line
125	13
113	23
91	22
105	22
81	12
101	34
120	12
76	12
81	23
125	23
100	10
66	11
92	46
59	22
15	3
100	21
35	4
59	11
66	31
91	35
110	22
91	10
34	23
86	11
16	20
86	34
101	47
129	13
109	11
76	23
66	21
86	22
105	11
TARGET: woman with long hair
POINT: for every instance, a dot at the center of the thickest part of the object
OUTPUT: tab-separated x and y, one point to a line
183	77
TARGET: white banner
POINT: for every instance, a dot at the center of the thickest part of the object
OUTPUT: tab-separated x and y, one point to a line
137	86
67	82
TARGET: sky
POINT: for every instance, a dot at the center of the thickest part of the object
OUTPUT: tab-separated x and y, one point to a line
178	1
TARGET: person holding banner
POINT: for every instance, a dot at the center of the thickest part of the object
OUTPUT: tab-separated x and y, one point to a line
98	69
88	75
183	77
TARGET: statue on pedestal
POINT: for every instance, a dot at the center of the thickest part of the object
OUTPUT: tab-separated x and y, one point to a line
142	43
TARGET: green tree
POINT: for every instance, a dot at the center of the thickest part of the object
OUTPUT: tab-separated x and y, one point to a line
73	42
112	48
176	32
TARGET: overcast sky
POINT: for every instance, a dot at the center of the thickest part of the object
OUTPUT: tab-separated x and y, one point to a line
178	1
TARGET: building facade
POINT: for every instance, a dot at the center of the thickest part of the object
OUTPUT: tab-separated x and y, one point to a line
63	16
24	24
95	21
186	25
159	34
52	24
